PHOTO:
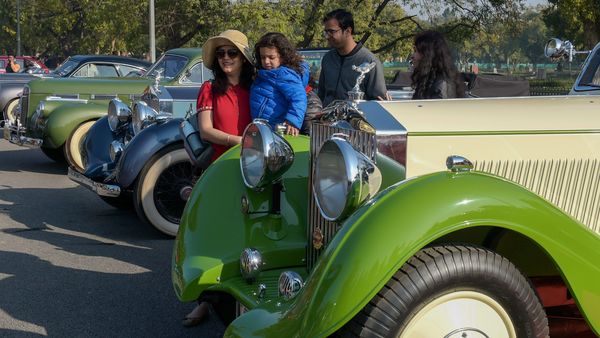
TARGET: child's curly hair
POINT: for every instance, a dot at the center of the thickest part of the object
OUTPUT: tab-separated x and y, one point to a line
289	57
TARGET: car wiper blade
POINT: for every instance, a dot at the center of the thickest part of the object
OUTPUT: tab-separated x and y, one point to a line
591	85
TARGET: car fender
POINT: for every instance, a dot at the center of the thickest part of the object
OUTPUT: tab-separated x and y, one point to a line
143	146
9	92
383	234
63	120
96	151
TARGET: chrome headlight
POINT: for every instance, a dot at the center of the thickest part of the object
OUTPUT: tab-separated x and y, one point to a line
250	264
290	283
344	178
116	149
37	119
142	116
118	114
41	107
265	155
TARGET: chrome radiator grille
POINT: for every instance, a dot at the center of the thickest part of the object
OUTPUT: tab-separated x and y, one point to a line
24	104
318	228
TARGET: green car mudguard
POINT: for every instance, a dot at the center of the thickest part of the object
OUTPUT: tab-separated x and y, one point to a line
214	235
63	120
382	235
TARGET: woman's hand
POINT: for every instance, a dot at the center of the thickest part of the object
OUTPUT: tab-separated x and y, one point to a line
290	129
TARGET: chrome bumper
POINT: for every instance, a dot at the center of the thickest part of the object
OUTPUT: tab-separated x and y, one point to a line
102	189
14	134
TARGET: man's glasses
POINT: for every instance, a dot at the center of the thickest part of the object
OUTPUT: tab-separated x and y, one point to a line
330	32
232	53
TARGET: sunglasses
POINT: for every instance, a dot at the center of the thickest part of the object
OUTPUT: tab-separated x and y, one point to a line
232	53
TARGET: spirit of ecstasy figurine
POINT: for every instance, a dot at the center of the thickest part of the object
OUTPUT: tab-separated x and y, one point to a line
363	69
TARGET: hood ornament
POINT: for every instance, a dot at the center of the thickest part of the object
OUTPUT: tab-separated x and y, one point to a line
157	78
356	94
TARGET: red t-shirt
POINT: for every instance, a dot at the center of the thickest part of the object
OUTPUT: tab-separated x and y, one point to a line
231	111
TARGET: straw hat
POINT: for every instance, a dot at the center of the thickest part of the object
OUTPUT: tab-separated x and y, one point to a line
230	37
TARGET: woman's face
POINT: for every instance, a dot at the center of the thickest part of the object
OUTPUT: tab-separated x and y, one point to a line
269	57
416	57
230	60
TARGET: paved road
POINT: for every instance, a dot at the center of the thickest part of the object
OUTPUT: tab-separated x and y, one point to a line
72	266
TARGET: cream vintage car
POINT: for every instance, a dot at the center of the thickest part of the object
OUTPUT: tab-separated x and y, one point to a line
423	218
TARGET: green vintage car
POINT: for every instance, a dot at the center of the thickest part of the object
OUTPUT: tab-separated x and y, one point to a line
433	218
56	113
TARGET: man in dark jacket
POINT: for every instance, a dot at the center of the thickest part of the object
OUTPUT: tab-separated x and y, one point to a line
337	76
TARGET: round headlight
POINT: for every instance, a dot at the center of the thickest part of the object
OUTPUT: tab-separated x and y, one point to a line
344	178
250	264
290	283
142	116
265	155
116	149
553	48
40	107
118	114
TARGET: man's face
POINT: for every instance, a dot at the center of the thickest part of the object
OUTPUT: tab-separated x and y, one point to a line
11	59
335	35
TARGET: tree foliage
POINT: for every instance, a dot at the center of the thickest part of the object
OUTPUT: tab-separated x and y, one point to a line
104	26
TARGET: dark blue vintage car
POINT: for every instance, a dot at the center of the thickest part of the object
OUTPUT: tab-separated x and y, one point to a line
135	154
140	152
11	85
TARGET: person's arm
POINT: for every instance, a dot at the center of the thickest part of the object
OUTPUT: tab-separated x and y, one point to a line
213	135
15	67
295	94
375	86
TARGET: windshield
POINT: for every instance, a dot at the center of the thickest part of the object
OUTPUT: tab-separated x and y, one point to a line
66	67
169	66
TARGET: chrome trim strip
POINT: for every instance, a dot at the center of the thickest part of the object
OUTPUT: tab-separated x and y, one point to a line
103	96
65	97
102	189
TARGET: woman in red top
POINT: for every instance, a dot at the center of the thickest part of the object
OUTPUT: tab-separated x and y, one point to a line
224	105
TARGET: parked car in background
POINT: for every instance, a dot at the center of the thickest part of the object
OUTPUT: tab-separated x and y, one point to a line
392	216
28	64
11	85
135	156
55	114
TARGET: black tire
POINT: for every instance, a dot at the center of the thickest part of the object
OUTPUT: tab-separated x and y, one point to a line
157	193
56	155
442	272
122	202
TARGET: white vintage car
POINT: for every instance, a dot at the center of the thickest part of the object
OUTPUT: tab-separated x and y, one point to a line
473	217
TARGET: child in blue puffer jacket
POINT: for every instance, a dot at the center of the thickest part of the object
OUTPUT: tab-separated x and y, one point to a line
278	93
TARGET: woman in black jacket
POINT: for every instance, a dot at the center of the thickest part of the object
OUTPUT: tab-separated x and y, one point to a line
434	76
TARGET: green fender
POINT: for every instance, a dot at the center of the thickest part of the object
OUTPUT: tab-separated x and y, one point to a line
213	230
382	235
63	120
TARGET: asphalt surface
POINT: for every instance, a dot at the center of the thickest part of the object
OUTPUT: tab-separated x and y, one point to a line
73	266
